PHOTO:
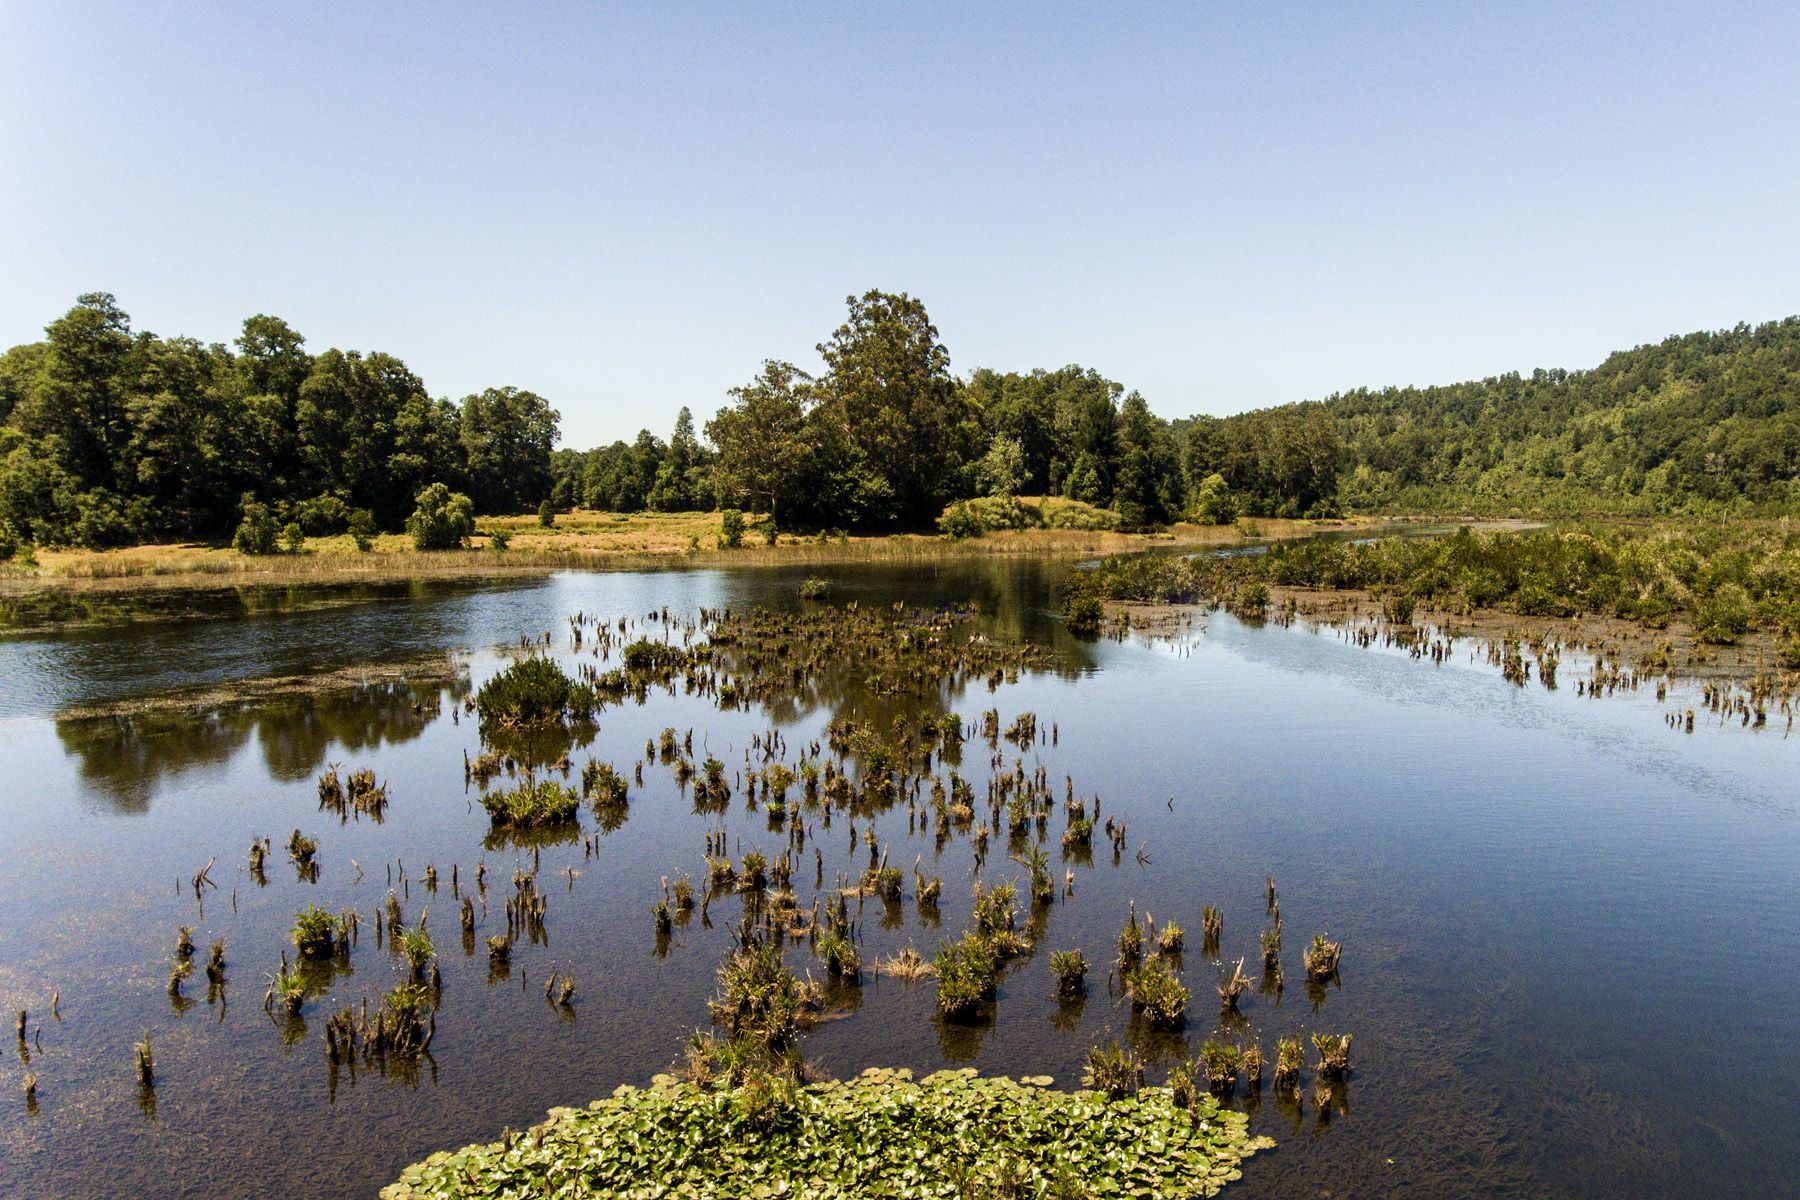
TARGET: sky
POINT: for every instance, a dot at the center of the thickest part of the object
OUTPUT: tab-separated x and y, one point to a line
626	208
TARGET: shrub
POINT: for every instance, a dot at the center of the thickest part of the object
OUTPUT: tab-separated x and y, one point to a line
957	522
322	515
1213	502
532	691
257	532
547	514
1084	616
731	529
499	539
292	537
361	528
814	589
443	519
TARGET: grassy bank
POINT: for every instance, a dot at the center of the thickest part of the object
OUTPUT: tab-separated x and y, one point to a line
578	541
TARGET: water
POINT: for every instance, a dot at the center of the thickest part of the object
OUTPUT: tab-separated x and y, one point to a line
1570	933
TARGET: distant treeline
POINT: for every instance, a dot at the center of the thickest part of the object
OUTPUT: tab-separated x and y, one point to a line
1705	422
110	436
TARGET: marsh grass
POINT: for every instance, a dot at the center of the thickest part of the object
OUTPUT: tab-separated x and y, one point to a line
532	805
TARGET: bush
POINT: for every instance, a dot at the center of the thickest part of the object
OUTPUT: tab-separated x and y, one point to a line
1724	616
546	515
257	532
322	515
532	691
731	529
293	537
104	520
499	539
1060	512
361	528
815	589
1213	502
443	519
957	522
1084	616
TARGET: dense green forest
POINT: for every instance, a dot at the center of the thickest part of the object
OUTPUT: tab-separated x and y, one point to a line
110	436
1703	422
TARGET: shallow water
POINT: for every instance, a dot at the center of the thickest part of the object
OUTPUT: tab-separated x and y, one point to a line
1570	933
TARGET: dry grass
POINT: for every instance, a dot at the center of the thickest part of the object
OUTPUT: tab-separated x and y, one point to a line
581	540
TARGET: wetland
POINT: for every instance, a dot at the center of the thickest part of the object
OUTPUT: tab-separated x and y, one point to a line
304	888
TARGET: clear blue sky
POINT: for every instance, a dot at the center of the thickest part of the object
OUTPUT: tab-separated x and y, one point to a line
627	208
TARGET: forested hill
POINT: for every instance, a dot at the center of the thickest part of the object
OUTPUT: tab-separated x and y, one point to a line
1705	421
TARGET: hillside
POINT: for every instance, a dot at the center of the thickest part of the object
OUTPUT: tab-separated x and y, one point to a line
1700	422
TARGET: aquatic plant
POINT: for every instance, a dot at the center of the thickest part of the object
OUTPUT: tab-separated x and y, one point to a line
301	848
532	691
1157	994
839	955
882	1133
417	949
1334	1054
1221	1062
1169	939
968	973
1131	943
1288	1060
1113	1072
531	805
1232	988
1322	957
315	933
814	588
1070	969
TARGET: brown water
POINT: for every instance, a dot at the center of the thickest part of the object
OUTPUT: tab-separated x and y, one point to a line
1570	934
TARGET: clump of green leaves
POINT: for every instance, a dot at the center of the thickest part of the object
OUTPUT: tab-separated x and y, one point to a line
882	1133
442	520
531	805
968	972
532	691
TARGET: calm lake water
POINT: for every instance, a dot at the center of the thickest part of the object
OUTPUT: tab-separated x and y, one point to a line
1571	935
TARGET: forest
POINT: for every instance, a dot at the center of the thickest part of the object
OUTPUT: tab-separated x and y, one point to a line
110	436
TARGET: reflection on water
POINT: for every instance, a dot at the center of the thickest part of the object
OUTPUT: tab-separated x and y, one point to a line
124	759
1545	902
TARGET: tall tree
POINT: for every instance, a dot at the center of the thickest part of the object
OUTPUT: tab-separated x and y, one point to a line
764	445
508	435
888	386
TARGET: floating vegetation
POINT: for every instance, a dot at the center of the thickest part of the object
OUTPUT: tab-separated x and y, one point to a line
814	588
907	964
882	1133
538	805
417	950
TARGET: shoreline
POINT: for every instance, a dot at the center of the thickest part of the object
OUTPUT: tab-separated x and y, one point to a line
184	567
